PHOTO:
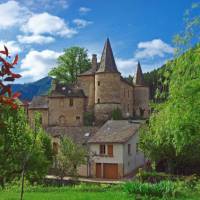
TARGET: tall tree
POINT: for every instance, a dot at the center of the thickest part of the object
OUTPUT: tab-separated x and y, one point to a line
172	137
70	156
73	62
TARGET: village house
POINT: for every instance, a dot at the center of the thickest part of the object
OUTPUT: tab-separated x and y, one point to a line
98	92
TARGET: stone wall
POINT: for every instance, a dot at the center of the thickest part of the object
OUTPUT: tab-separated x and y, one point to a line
141	100
103	111
62	114
44	116
107	88
87	84
126	95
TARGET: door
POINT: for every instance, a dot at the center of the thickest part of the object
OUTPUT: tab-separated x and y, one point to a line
98	170
110	171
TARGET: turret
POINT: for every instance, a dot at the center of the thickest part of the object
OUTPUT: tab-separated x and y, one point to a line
107	84
138	77
140	94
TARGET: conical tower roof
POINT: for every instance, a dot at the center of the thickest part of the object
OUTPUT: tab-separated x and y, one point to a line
107	63
138	77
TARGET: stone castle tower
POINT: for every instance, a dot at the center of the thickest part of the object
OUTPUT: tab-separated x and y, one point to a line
99	90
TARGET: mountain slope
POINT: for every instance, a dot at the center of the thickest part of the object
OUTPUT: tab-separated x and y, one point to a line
29	90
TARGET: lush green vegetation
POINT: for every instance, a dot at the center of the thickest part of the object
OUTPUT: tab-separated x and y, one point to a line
163	190
73	62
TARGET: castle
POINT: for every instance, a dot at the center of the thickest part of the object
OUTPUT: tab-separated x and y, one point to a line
99	90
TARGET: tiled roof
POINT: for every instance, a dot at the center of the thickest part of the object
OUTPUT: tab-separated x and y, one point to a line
91	71
80	135
40	102
67	91
116	131
138	78
107	63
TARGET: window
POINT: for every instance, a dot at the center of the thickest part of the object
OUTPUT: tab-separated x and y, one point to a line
124	92
128	93
110	150
128	107
102	149
71	102
55	148
98	100
129	149
98	83
77	117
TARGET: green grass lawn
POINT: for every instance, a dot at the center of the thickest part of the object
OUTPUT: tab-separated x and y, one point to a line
83	193
68	194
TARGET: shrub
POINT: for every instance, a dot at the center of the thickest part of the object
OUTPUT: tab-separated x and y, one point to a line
88	118
116	114
153	177
163	188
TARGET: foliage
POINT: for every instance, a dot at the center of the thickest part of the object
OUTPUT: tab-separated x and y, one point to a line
173	134
69	157
190	35
16	146
73	62
116	114
88	118
163	188
6	96
172	138
153	177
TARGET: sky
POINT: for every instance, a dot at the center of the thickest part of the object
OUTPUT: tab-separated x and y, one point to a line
139	30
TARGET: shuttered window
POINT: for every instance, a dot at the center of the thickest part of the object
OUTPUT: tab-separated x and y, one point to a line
110	150
102	149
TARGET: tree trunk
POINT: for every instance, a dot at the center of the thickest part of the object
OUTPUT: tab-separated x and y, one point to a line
22	183
2	182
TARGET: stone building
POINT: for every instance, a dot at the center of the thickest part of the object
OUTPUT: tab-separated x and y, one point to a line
99	91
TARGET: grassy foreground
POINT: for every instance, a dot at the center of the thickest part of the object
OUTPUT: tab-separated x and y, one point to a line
86	192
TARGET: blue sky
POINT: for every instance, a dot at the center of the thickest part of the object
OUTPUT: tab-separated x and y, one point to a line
138	30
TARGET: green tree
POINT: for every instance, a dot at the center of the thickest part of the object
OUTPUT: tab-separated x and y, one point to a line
24	152
73	62
172	137
70	156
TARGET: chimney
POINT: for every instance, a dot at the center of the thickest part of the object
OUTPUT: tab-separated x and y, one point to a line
94	61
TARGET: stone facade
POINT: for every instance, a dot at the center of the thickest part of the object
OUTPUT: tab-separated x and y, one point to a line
99	90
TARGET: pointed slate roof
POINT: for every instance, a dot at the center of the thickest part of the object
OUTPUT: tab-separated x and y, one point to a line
107	63
138	77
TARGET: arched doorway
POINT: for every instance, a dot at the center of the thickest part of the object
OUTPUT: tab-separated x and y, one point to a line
62	120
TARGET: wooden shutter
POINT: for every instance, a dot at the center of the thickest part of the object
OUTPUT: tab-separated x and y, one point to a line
110	150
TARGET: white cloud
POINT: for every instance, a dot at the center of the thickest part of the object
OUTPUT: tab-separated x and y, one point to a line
12	14
150	49
84	10
81	23
126	66
46	23
13	46
45	4
38	39
37	64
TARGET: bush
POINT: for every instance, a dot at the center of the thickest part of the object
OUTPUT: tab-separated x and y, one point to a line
153	177
163	188
88	118
116	114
